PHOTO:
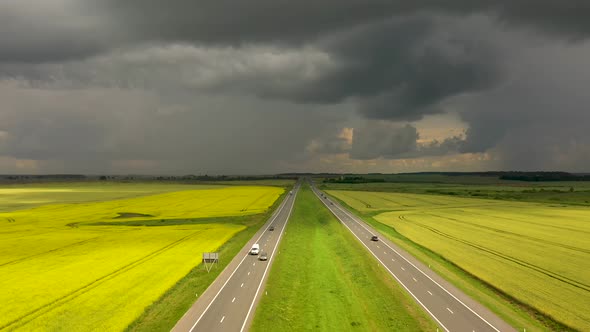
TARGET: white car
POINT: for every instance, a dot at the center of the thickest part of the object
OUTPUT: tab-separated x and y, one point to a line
255	249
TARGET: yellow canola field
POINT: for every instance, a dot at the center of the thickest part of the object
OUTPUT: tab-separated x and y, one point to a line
204	203
536	253
61	271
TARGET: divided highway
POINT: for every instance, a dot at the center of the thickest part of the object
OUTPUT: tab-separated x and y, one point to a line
229	303
452	309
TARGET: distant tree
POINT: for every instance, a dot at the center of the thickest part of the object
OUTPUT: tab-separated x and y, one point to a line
571	189
102	178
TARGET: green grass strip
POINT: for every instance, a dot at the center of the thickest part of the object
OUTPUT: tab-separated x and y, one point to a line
323	279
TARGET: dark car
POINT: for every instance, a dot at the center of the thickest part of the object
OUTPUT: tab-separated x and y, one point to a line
263	256
271	228
374	238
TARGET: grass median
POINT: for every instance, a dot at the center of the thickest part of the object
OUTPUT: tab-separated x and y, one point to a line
323	279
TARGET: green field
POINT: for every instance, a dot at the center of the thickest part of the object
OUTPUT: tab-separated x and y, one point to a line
470	186
98	265
325	280
537	254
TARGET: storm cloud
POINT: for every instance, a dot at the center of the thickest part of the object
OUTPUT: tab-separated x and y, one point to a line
265	86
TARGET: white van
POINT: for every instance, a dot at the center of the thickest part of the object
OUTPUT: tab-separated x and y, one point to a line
255	249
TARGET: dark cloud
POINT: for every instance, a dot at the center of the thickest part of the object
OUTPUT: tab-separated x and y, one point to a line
87	130
539	118
383	140
399	69
42	31
226	86
386	140
296	21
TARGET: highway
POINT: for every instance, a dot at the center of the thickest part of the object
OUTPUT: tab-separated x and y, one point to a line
452	309
229	303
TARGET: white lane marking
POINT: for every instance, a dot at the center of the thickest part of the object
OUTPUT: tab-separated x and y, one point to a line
403	268
248	273
237	267
393	260
429	292
385	252
414	279
451	311
254	264
242	285
232	301
379	247
222	318
393	274
426	275
270	258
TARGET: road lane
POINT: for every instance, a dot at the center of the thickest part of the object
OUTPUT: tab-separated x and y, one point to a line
228	304
448	306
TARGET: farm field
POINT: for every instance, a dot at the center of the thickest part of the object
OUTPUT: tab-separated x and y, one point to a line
24	196
558	192
325	280
98	265
536	253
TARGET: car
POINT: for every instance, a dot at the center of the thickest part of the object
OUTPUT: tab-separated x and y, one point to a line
255	249
374	238
271	228
331	203
263	256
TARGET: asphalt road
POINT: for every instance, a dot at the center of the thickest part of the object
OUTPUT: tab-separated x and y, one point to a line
448	306
229	303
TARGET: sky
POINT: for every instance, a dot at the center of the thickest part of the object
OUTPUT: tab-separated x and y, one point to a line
273	86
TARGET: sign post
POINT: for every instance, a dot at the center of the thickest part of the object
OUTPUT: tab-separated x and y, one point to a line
210	259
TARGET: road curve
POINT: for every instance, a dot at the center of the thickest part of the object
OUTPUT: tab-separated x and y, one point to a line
229	303
452	309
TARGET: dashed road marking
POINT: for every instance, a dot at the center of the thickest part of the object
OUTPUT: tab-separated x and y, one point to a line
403	268
232	301
222	318
451	311
429	292
393	260
242	285
414	279
248	273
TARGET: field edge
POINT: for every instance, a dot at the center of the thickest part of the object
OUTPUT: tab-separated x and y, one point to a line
502	304
165	312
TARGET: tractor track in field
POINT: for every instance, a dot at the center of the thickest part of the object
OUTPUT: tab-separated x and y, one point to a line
515	260
417	199
532	223
556	244
31	315
16	261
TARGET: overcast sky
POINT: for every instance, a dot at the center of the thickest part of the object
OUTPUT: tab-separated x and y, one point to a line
267	86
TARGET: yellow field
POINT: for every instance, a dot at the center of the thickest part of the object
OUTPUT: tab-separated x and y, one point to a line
536	253
60	270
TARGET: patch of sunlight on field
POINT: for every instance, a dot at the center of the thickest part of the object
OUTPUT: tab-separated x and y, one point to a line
25	196
536	253
227	201
72	267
